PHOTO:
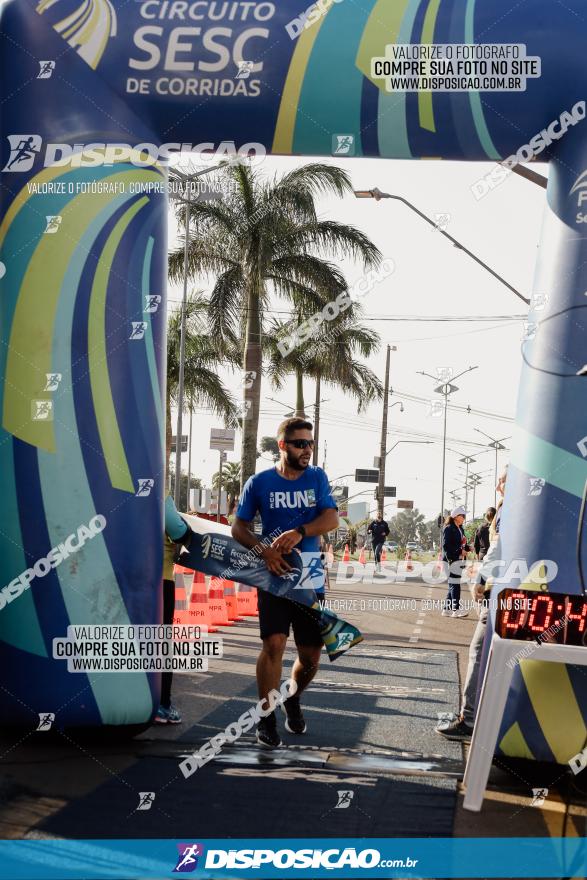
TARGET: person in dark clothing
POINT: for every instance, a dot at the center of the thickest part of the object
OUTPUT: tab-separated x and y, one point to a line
481	542
177	532
379	530
454	548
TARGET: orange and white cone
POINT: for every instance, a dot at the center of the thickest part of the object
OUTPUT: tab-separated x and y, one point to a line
409	566
346	556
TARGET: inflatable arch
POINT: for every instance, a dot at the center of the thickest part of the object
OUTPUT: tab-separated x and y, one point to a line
107	72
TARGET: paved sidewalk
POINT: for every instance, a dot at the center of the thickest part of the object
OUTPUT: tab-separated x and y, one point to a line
371	716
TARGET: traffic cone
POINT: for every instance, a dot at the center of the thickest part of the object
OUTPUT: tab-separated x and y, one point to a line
199	609
217	603
346	556
362	557
330	556
245	600
409	566
231	600
383	556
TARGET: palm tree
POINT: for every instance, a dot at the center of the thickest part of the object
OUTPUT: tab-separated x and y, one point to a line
330	358
203	355
231	480
265	237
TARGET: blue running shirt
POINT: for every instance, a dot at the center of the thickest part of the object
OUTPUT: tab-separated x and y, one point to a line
285	504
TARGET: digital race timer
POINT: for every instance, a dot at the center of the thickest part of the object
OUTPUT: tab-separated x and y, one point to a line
527	615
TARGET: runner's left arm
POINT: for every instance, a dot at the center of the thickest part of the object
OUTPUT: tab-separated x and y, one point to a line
326	521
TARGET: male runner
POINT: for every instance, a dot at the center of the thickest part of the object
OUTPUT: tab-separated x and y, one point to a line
379	530
295	503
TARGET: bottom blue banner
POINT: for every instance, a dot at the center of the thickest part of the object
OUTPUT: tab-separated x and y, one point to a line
378	857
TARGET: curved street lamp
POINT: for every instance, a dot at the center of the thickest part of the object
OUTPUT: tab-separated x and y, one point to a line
378	195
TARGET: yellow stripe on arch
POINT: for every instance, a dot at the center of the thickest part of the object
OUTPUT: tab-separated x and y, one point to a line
514	745
425	108
111	441
556	708
30	349
290	97
382	28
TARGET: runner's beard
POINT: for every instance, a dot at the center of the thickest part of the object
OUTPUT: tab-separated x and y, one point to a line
295	463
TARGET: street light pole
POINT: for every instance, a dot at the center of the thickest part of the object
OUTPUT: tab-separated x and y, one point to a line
381	483
475	481
497	445
187	179
446	394
190	460
446	389
377	195
466	460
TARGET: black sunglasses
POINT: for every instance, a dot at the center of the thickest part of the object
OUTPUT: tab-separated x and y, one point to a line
301	444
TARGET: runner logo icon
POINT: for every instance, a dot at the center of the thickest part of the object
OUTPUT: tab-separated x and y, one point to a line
188	857
23	151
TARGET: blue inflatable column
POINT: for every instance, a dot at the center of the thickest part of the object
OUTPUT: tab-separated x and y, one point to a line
82	372
546	718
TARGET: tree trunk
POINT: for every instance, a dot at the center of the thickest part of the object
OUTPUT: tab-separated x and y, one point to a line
168	435
252	395
316	422
300	410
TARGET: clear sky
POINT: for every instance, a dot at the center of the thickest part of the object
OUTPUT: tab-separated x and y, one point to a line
431	279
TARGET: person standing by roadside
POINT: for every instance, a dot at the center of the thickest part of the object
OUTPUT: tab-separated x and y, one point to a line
379	530
454	549
461	728
482	540
294	499
177	532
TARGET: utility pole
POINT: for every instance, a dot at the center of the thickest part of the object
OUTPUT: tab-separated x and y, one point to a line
381	484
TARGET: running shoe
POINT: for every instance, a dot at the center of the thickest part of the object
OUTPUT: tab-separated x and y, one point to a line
267	735
446	612
461	613
294	718
173	715
457	730
162	716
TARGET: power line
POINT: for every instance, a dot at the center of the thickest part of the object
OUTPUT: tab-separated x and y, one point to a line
425	319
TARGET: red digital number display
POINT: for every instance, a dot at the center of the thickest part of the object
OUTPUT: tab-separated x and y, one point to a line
550	617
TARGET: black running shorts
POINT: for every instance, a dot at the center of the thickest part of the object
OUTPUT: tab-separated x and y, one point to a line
277	615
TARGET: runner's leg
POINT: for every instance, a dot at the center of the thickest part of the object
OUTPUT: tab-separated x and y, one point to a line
306	666
269	664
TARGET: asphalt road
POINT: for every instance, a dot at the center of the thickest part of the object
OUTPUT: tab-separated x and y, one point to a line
371	717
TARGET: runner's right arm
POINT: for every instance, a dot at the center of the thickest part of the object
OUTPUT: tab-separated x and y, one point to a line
272	558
